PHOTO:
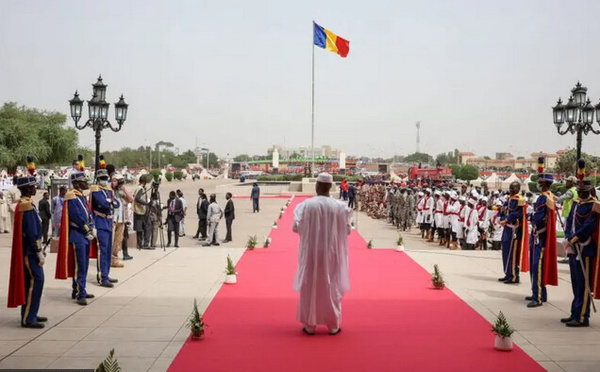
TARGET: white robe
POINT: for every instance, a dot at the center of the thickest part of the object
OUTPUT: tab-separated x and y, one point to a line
4	216
420	210
323	224
439	213
428	206
471	226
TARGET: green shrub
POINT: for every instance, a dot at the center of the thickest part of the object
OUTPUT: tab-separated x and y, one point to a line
534	177
533	187
558	187
178	175
155	174
169	176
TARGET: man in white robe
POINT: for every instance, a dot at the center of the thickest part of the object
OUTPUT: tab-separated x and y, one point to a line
323	224
471	224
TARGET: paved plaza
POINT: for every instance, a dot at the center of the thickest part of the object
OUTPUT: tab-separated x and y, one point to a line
143	317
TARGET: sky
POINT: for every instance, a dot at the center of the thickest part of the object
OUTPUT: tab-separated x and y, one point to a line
235	76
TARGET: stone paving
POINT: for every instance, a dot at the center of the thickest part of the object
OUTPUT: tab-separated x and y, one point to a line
144	316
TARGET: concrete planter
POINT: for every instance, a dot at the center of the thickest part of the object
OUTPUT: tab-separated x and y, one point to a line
400	248
503	343
231	279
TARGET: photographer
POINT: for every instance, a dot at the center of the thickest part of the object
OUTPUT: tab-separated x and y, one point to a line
141	223
124	197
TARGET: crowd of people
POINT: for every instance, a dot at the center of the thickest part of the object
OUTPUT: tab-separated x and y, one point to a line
522	225
92	221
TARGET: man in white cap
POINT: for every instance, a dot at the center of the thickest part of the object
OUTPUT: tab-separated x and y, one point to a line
323	224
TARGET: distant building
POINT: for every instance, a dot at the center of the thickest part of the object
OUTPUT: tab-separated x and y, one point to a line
507	160
305	152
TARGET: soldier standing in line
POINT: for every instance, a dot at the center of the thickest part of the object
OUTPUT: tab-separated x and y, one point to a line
26	280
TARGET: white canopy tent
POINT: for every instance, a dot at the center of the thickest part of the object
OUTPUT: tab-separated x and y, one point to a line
512	178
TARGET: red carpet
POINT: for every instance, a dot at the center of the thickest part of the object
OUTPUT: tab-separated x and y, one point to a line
392	320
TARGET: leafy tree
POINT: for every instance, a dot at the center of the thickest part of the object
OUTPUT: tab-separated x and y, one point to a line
456	170
28	131
567	162
419	157
468	172
155	174
242	158
446	158
295	155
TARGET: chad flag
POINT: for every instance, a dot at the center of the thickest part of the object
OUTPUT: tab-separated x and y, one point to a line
330	41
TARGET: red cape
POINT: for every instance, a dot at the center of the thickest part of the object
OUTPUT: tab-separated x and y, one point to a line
64	257
524	260
550	276
16	282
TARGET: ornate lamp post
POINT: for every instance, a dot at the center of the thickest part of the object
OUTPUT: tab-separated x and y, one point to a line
98	113
578	114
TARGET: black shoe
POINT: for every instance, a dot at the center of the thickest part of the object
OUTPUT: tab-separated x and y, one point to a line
216	244
501	279
42	319
534	304
511	282
566	320
307	332
528	298
112	280
125	258
32	325
107	285
168	245
195	237
226	241
82	301
336	332
575	323
73	296
176	245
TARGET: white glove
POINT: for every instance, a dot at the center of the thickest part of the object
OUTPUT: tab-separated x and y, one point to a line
94	233
41	257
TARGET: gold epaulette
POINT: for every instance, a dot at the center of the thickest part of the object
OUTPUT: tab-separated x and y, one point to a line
521	202
25	206
596	206
70	195
94	188
550	203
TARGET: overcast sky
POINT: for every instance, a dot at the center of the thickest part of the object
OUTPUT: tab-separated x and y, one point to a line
235	76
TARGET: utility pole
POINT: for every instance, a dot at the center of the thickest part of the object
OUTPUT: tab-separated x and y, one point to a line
418	138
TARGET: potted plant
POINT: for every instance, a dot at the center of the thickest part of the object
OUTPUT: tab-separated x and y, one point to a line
503	332
274	225
400	243
110	364
370	244
231	277
251	243
196	323
267	242
280	215
437	279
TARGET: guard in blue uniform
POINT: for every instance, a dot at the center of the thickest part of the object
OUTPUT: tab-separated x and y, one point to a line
542	244
581	230
103	203
513	218
26	274
81	233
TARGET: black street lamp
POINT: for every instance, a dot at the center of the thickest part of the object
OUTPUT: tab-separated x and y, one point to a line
98	114
578	113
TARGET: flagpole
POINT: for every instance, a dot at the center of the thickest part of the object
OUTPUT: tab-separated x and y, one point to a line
312	133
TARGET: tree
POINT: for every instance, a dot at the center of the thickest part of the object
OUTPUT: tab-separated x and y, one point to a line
468	172
242	158
29	131
566	163
456	170
446	158
419	157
